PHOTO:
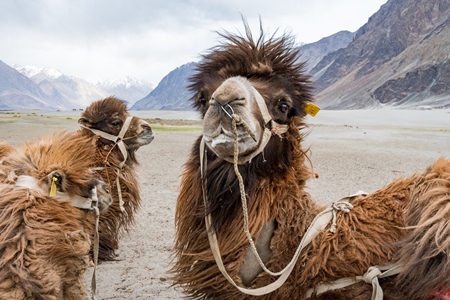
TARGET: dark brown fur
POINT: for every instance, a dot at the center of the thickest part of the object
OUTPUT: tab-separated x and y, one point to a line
367	236
44	243
108	115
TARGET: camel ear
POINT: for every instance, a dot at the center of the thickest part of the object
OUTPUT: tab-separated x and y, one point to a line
57	182
84	122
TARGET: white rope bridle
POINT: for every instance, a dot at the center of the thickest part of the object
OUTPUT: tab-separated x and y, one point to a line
76	201
319	223
118	140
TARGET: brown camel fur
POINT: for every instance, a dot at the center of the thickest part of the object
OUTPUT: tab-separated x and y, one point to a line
44	239
405	221
5	149
108	115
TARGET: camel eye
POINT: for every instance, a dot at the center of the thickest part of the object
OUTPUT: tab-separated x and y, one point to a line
115	123
202	101
283	107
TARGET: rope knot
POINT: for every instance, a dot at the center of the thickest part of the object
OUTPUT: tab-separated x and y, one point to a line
339	206
371	274
237	119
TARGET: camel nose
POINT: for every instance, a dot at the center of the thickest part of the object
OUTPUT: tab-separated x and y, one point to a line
230	90
146	126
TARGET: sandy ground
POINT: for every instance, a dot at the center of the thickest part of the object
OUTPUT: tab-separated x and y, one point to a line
350	150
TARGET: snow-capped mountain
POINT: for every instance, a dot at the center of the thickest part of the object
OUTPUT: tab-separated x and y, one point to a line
78	92
30	71
31	87
19	92
128	88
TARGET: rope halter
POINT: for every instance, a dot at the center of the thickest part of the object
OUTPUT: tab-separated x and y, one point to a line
76	201
119	141
270	127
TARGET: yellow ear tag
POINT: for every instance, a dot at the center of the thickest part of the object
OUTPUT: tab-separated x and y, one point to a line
311	109
53	186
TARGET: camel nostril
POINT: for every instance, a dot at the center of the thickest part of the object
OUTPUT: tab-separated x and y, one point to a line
147	127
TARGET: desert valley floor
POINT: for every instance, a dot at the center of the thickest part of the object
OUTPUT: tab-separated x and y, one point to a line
350	151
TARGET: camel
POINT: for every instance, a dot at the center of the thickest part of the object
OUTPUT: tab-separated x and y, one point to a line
117	137
243	191
47	194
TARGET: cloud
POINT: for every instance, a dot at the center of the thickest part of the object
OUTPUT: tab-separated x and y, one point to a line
103	39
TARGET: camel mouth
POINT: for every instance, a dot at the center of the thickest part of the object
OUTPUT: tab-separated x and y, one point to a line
146	136
223	145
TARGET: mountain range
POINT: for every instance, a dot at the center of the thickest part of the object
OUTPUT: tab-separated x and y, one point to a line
30	87
171	93
399	58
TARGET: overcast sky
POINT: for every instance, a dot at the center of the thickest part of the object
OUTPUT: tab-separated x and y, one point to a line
110	39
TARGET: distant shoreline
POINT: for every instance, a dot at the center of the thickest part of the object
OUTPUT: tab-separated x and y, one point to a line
394	118
145	114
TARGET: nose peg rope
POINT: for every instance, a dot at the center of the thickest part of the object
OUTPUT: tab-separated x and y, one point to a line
230	107
237	120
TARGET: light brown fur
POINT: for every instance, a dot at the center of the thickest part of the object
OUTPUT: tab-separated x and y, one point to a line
45	243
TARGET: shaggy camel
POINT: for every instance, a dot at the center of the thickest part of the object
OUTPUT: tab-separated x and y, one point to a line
244	184
46	192
120	136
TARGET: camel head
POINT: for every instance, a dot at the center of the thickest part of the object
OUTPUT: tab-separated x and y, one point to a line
109	116
58	165
260	81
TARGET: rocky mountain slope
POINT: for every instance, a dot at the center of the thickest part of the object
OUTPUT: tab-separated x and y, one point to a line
19	92
399	58
313	53
171	93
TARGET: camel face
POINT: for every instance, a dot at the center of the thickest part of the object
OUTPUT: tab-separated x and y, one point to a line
139	134
236	77
234	96
109	115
